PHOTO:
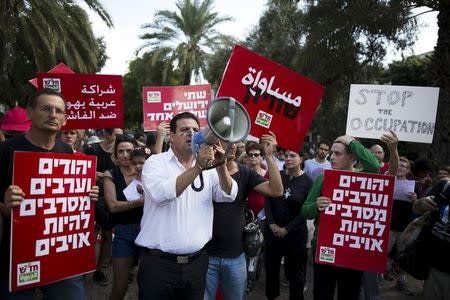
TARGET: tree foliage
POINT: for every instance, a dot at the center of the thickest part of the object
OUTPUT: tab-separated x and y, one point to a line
184	36
339	42
36	35
153	68
410	71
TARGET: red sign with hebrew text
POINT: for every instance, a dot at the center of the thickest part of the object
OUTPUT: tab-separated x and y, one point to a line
92	101
162	103
52	231
354	228
276	98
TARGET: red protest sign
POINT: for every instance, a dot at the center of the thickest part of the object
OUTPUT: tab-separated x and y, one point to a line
52	231
354	228
162	103
276	98
59	68
93	101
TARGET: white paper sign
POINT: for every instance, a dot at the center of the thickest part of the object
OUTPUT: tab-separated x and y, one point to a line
409	111
402	188
131	192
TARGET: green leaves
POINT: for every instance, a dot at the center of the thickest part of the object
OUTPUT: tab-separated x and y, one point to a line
190	34
35	35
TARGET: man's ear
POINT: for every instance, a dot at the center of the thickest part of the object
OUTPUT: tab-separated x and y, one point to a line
29	111
65	121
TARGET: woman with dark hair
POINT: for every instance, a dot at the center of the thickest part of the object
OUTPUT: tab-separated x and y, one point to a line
126	215
285	231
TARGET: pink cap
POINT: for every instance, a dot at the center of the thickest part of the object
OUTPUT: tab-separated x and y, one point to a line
16	120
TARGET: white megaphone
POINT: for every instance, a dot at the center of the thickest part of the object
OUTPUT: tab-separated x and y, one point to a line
227	121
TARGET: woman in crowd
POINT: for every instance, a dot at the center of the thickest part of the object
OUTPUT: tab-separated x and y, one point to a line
126	213
70	137
285	231
254	153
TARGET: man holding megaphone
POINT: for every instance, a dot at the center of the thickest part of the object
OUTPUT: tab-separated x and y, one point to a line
177	220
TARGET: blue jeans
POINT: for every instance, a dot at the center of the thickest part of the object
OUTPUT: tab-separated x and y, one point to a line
123	243
231	273
67	289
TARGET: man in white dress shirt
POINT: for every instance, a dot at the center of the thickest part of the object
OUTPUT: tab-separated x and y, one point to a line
177	220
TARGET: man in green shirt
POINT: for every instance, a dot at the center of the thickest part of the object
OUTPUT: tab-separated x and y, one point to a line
343	153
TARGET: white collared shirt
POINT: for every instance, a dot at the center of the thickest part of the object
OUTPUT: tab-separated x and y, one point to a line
172	224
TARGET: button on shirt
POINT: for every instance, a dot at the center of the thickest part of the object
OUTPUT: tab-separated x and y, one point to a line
172	224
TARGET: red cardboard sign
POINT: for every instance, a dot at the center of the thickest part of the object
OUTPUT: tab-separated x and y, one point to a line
276	98
52	231
354	228
59	68
162	103
93	101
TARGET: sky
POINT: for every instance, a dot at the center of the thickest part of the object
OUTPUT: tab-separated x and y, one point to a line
128	16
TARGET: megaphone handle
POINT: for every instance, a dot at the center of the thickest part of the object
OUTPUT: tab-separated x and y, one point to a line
202	185
232	115
223	160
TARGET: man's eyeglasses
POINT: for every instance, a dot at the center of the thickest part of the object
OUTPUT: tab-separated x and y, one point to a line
253	154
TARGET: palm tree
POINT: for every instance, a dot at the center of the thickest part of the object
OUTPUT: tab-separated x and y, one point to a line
37	34
185	36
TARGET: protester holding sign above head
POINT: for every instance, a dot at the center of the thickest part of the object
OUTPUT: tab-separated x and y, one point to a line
344	151
126	215
178	215
46	112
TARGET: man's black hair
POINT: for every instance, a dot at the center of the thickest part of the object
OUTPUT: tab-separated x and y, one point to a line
33	99
421	164
324	142
109	131
183	115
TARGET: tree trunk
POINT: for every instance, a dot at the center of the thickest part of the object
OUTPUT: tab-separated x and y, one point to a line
440	150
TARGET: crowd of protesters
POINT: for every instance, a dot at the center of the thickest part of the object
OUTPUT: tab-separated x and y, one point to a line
160	207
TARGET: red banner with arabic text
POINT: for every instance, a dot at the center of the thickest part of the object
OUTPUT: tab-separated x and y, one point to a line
276	98
52	233
162	103
93	101
354	228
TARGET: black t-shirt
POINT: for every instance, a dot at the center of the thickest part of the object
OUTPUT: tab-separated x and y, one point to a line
285	210
401	214
133	216
7	149
229	218
104	161
440	232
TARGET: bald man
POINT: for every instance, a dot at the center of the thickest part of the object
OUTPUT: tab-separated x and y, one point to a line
378	151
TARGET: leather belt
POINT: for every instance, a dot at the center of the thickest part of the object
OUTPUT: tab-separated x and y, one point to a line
178	258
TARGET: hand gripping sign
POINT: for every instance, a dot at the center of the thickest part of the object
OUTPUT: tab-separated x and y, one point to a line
354	228
276	98
52	233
